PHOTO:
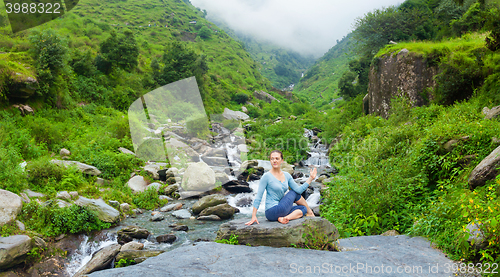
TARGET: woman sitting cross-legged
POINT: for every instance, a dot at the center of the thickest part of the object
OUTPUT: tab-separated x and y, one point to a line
279	206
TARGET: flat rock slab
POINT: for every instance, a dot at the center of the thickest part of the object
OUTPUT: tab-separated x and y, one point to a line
273	233
399	256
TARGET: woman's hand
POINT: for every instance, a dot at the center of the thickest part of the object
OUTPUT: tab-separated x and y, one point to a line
312	174
254	219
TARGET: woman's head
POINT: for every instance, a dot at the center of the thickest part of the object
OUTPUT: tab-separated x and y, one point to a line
276	158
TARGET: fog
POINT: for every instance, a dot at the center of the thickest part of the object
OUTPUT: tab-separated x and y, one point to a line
308	27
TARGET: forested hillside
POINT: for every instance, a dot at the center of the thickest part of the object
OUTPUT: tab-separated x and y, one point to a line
283	67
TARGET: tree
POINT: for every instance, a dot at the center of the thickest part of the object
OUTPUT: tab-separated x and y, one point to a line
50	52
205	32
118	51
346	86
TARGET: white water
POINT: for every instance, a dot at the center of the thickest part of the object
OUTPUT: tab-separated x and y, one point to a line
85	251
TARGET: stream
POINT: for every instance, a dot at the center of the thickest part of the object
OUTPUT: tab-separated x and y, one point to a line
203	230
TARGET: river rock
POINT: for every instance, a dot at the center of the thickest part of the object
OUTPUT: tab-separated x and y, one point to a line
221	177
84	168
152	169
62	204
273	233
103	211
244	202
179	227
224	211
129	233
138	255
125	207
137	184
287	167
211	217
216	161
32	194
126	151
208	201
171	207
168	238
132	245
157	217
485	170
13	250
114	204
74	194
198	177
171	189
155	186
237	186
182	214
64	152
10	206
100	260
236	115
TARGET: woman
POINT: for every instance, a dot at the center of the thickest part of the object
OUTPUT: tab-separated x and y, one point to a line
279	206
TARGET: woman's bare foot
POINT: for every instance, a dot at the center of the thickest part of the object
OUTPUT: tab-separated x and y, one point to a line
310	213
283	220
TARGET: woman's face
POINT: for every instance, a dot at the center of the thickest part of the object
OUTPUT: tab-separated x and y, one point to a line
276	160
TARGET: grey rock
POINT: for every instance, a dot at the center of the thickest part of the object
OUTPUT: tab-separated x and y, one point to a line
171	207
156	186
237	115
64	152
103	211
208	201
221	177
273	233
133	245
157	217
114	204
100	260
125	207
448	146
62	204
20	225
10	206
125	151
137	184
393	252
182	214
13	250
492	113
64	195
262	95
476	236
74	194
211	217
138	255
84	168
129	233
390	233
171	189
224	211
485	170
198	177
24	197
168	238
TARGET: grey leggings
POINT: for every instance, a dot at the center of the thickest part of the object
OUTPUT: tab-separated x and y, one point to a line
285	206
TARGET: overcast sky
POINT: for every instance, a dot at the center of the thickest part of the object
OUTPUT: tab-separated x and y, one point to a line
307	26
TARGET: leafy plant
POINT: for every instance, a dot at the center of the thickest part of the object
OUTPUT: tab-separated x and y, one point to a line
315	239
232	240
124	263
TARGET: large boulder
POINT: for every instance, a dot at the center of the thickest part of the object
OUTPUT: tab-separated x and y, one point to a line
236	115
485	170
273	233
103	211
137	184
237	186
208	201
84	168
262	95
129	233
137	255
224	211
10	206
198	177
13	250
100	260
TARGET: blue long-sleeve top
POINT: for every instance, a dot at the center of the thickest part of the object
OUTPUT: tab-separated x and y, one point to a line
276	189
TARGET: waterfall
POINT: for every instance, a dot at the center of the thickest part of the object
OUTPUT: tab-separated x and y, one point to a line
85	251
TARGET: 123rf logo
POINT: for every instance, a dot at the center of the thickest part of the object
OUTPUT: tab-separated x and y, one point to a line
25	14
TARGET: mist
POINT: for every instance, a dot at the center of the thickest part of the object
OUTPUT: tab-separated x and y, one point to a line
307	27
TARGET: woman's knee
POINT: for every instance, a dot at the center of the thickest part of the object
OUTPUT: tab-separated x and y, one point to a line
303	209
